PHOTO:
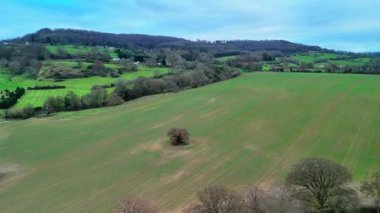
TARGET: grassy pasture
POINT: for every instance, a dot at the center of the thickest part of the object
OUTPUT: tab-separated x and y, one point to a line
5	81
80	85
332	58
312	57
244	131
78	50
351	62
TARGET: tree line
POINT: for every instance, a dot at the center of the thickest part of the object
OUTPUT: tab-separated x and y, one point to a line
46	87
91	38
280	63
312	185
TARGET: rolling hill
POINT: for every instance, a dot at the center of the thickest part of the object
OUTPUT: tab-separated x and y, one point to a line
139	41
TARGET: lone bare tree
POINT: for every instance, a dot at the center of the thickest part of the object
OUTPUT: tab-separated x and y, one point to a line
135	205
322	184
371	188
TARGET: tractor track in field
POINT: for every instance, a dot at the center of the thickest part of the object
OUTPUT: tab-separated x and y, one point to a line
355	145
314	124
285	160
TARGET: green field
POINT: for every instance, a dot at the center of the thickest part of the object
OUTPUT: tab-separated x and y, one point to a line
80	86
5	81
226	58
244	131
338	59
78	50
312	57
352	62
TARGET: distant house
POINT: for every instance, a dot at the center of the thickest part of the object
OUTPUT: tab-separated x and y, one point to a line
136	63
116	59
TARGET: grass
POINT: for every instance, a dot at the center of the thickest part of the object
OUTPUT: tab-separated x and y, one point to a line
244	131
351	62
226	58
78	50
80	86
312	57
5	81
330	57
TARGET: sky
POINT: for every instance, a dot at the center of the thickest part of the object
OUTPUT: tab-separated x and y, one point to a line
348	25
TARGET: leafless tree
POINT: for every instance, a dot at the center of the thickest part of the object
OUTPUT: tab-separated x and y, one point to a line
322	184
275	200
218	199
371	188
255	200
135	205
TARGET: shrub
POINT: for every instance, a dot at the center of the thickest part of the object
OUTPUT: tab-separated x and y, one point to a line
72	101
178	136
114	100
54	104
24	113
371	188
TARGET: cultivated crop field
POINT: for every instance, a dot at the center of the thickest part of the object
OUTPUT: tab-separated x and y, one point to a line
245	131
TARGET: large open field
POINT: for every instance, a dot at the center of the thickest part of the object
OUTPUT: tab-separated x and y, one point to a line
244	131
